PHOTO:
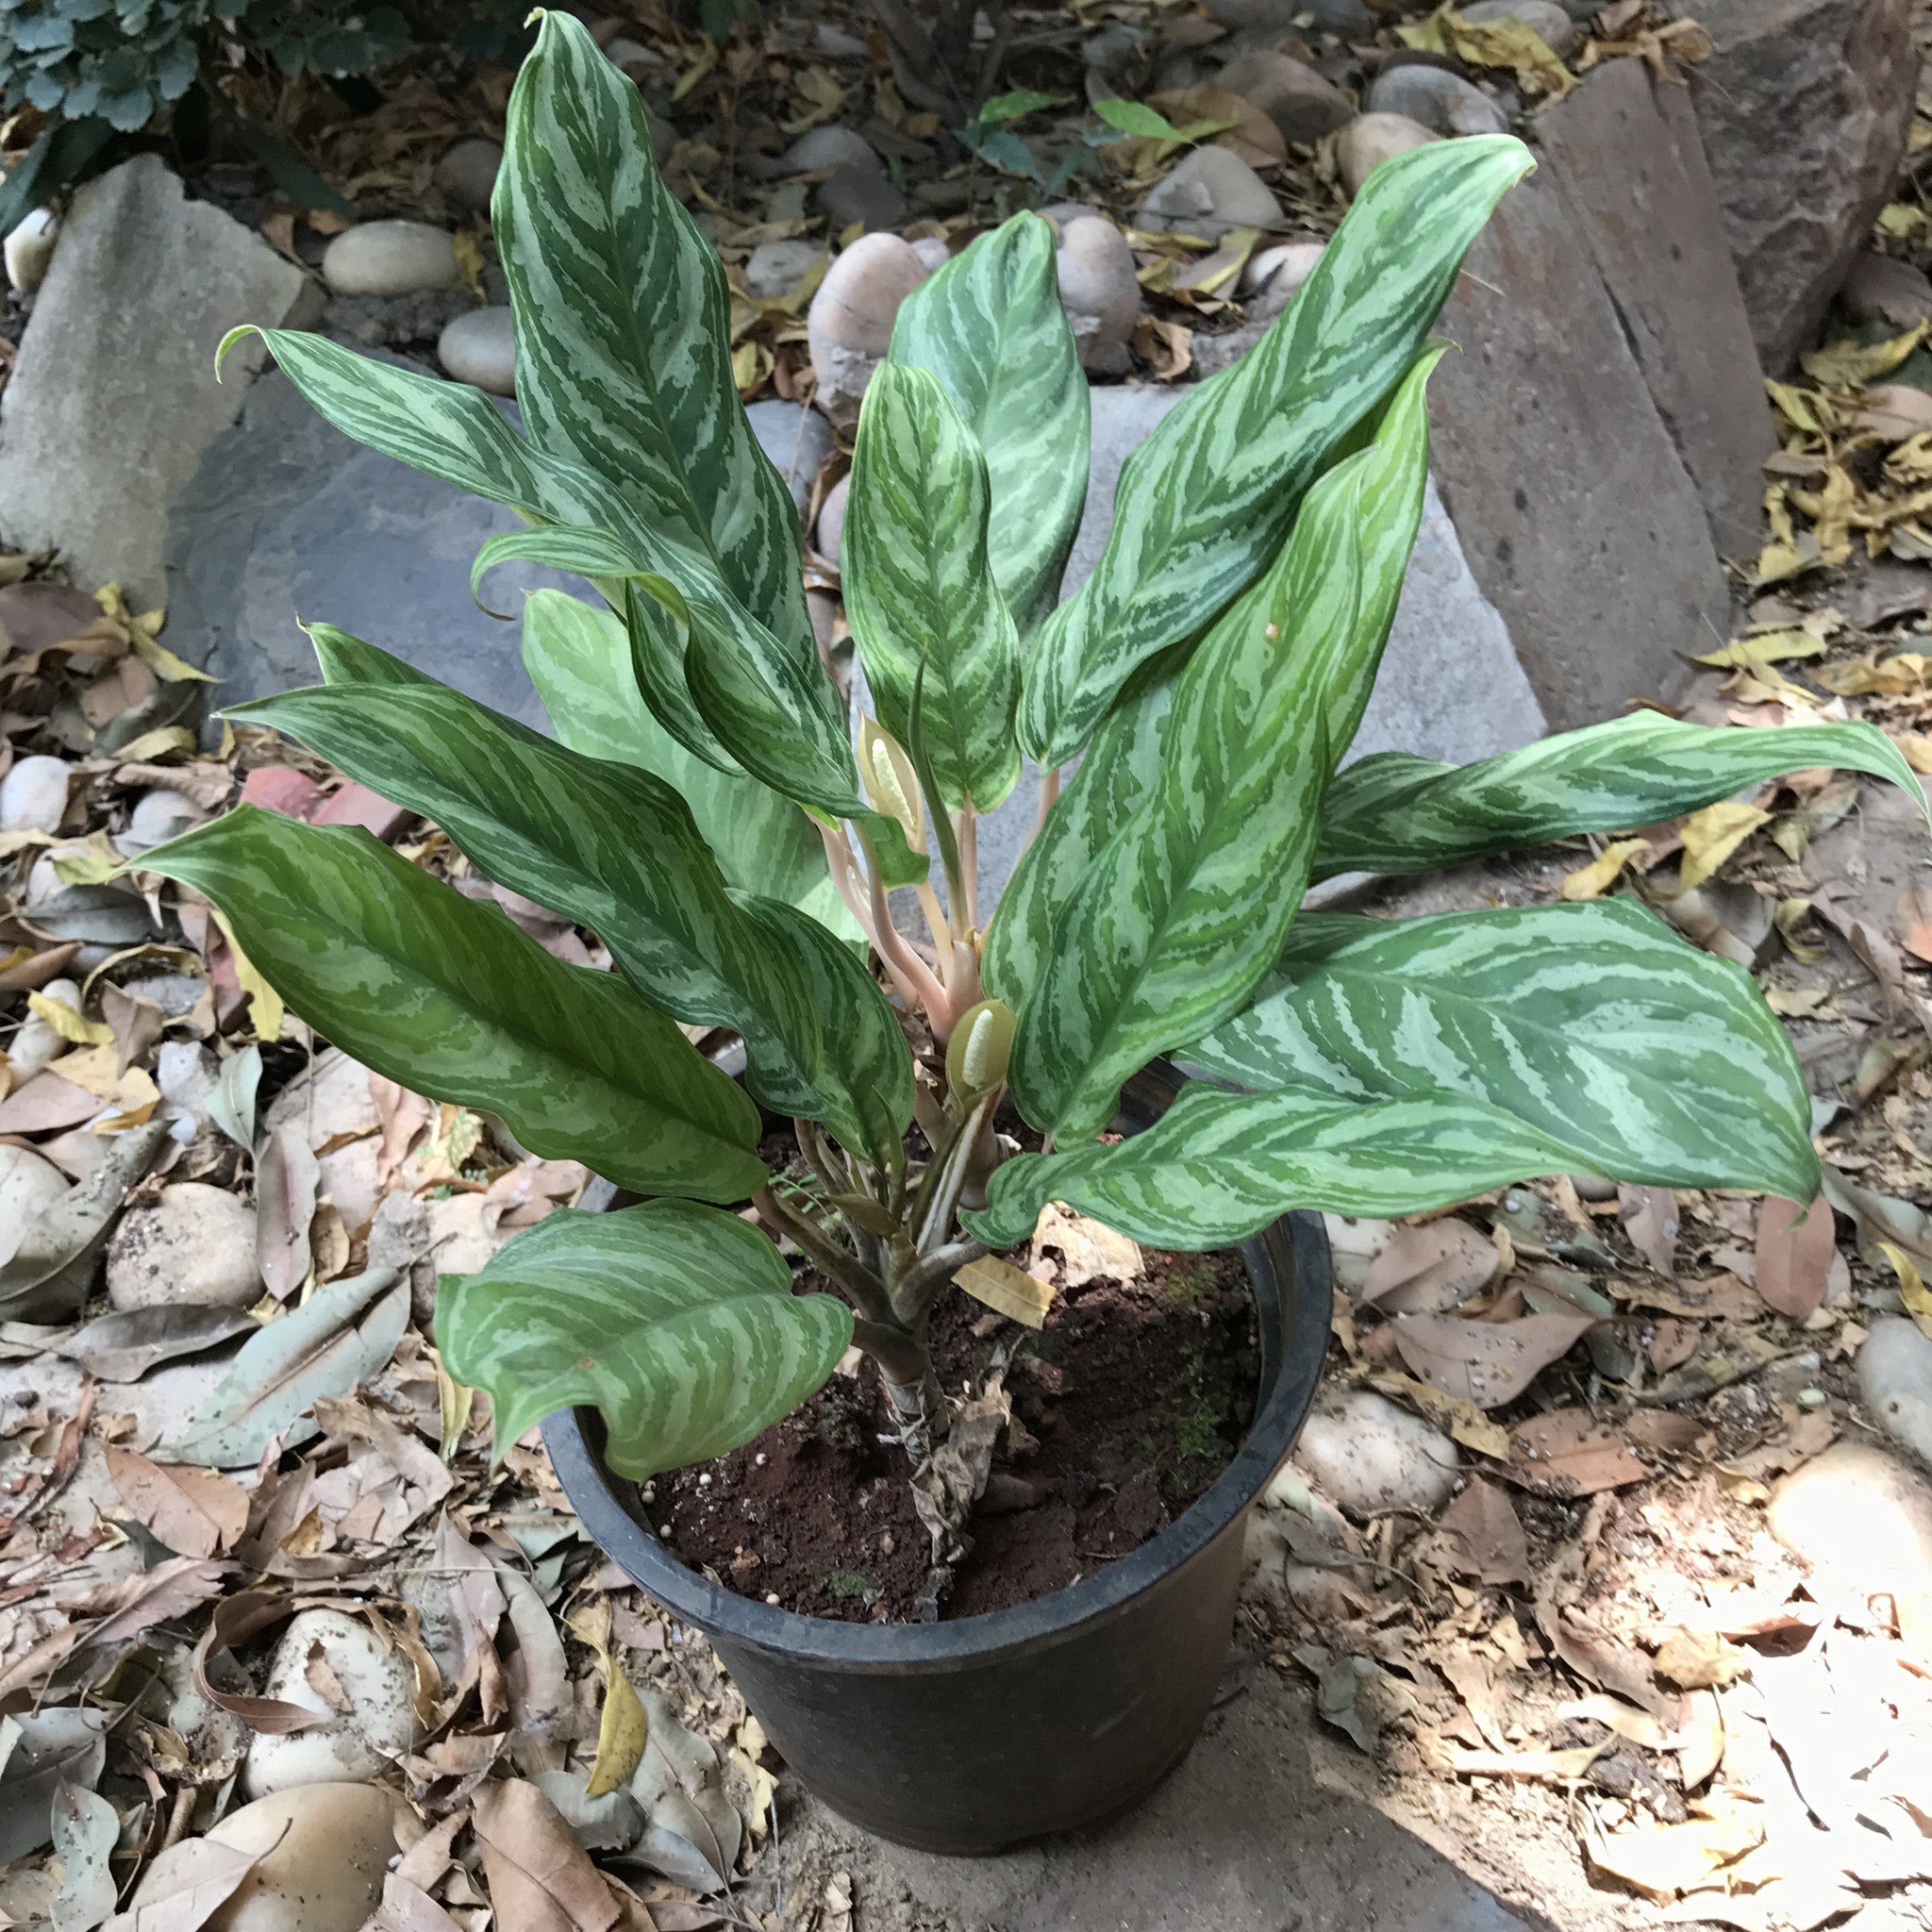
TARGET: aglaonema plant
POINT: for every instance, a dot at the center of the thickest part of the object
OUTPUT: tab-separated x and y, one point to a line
706	810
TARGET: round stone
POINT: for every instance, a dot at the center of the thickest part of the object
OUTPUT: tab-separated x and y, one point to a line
481	348
862	194
933	251
37	1043
33	795
193	1246
1209	191
1367	1455
1860	1517
322	1851
157	816
30	250
819	148
1274	277
1543	18
390	259
776	268
1301	103
1370	140
1896	1383
1441	101
1100	290
831	526
850	321
468	173
376	1681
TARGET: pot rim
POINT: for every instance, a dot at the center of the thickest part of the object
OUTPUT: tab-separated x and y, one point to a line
1292	1250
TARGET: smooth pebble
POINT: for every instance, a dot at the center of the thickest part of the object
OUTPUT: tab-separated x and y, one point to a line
390	259
481	348
30	250
27	1183
37	1043
376	1681
1100	290
196	1245
1438	100
850	321
1895	1382
1370	140
1209	191
33	795
467	174
1366	1454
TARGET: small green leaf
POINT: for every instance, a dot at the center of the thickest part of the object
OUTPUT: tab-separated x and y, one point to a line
1022	101
445	996
677	1322
1131	117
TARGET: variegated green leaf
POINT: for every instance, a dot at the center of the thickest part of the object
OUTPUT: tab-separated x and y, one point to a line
990	325
580	659
1186	910
1593	1024
677	1322
1204	502
609	846
624	336
1395	812
1219	1167
865	1080
918	590
444	994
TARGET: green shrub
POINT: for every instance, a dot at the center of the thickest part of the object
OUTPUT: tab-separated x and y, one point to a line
702	810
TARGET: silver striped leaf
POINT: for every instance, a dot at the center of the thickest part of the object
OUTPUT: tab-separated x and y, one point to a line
677	1322
611	846
624	334
990	325
446	996
865	1080
1395	813
1204	502
1219	1167
1593	1024
579	658
914	562
1186	909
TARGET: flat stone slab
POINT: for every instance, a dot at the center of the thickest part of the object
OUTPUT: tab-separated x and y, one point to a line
113	401
289	520
1630	156
1579	519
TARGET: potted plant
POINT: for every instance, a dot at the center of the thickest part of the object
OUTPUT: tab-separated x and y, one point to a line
705	811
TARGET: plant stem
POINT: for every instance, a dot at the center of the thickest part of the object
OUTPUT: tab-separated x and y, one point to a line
915	1291
967	829
867	1291
910	973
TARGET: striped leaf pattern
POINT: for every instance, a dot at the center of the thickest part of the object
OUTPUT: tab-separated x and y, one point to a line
918	590
1395	812
678	1322
1186	909
990	325
622	327
1204	502
447	996
580	659
609	846
1593	1024
1118	772
865	1079
1219	1167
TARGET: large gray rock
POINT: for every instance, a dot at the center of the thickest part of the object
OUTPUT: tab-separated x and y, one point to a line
114	402
1804	106
289	519
1632	165
796	439
1579	520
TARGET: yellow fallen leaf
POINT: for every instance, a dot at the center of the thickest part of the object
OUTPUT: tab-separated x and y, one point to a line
623	1731
68	1022
1898	676
1666	1860
455	1400
264	1003
1800	409
1918	750
1549	1767
1772	647
1594	880
1852	365
1711	836
94	865
1507	43
1912	1286
1007	1291
157	743
1464	1421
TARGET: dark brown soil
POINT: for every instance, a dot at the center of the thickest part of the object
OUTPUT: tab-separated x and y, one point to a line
1135	1397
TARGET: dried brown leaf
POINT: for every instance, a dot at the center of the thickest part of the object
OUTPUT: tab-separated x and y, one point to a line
1428	1270
1795	1249
1486	1363
1568	1453
1485	1524
287	1178
540	1879
197	1512
1650	1219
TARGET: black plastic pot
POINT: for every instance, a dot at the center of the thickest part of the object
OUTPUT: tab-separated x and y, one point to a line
968	1736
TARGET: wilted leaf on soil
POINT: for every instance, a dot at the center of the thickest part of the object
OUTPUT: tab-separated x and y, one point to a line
1913	918
1483	1524
1569	1452
1711	836
195	1511
680	1784
1664	1859
1700	1739
1426	1270
1849	364
286	1176
996	1284
1650	1219
1594	880
1543	1767
1879	1217
1457	1414
1486	1363
122	1347
540	1879
342	1334
1795	1249
185	1886
1698	1659
39	1749
236	1618
85	1828
169	1590
622	1730
231	1106
1911	1286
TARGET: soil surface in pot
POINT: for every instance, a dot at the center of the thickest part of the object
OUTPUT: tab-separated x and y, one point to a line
1131	1401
